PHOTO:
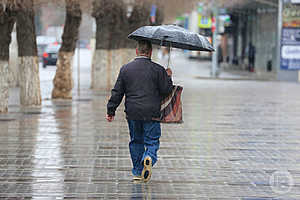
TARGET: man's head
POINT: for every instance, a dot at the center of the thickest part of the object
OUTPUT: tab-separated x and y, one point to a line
144	48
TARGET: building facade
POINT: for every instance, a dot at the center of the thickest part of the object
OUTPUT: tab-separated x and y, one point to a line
257	23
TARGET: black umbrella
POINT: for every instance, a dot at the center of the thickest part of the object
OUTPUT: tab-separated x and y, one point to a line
174	36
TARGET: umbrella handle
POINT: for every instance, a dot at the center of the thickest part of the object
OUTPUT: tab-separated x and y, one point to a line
169	49
169	59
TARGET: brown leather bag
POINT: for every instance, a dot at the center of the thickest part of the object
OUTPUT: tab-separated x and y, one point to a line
171	107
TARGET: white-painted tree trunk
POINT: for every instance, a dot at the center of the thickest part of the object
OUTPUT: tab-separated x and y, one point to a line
63	81
30	94
13	62
106	66
4	87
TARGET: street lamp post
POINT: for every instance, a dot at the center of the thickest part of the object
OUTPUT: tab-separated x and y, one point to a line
215	42
78	66
279	28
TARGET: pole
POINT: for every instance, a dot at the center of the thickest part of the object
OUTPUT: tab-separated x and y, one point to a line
78	66
279	29
215	42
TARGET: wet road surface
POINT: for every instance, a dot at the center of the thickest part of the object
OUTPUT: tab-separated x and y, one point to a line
240	141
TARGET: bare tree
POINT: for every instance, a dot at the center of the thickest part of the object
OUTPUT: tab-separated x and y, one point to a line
27	51
115	19
7	21
110	18
63	81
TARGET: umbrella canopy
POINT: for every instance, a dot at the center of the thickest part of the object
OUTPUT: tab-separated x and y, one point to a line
174	36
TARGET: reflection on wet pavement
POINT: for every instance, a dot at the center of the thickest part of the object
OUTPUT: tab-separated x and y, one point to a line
236	136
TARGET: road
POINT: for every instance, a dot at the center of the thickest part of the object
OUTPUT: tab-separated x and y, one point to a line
239	141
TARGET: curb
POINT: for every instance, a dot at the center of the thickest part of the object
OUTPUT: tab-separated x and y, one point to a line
233	79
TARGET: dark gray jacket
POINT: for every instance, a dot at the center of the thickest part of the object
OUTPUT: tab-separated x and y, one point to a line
143	83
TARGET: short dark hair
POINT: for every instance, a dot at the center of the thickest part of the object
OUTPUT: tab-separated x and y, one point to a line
144	46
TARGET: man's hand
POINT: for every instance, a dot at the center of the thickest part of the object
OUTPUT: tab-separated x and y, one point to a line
110	118
169	72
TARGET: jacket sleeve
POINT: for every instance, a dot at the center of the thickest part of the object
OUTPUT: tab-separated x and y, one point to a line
165	83
117	94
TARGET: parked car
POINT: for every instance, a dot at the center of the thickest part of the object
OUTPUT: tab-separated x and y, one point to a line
42	43
50	55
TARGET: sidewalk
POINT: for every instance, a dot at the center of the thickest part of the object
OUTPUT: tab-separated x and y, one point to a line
201	69
239	141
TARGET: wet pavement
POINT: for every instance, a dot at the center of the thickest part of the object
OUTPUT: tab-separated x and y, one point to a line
240	141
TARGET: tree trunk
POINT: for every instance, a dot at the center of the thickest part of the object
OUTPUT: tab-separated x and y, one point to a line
3	86
28	60
113	49
6	26
106	66
109	15
13	67
63	81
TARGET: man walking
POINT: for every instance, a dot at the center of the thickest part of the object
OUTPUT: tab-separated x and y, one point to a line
143	83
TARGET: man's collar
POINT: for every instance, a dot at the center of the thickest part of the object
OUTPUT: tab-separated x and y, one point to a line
143	57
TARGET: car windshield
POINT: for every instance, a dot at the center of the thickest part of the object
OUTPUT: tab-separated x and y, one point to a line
53	48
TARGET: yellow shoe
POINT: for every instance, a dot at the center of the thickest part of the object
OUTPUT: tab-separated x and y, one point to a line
137	178
147	171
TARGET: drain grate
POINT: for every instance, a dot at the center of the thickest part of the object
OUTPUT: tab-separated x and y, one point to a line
62	106
6	120
84	100
32	113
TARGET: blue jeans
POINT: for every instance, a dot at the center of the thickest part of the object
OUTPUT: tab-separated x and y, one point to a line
144	141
